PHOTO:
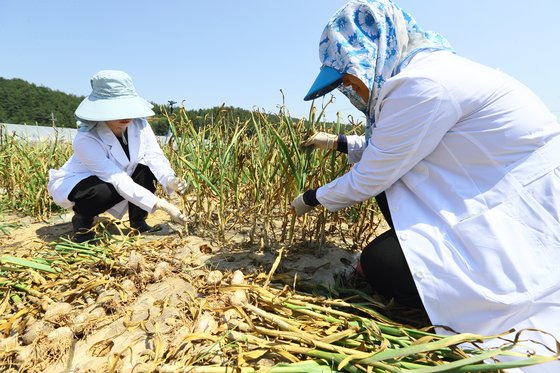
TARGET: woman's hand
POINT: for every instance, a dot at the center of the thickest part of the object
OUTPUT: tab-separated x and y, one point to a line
300	207
175	214
322	140
177	185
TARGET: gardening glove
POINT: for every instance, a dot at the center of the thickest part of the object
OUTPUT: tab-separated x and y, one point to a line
300	207
177	185
322	140
175	214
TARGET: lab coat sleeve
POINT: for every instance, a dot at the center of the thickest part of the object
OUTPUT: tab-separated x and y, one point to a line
94	157
414	115
356	146
155	159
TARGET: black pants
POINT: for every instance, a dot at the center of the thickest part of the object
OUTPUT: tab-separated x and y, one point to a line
92	196
385	267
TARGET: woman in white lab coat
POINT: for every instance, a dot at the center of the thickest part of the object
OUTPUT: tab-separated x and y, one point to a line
465	163
116	160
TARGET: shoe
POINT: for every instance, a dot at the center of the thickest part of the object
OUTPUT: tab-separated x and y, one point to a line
82	228
81	237
143	227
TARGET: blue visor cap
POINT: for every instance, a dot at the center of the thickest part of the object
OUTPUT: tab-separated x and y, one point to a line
327	80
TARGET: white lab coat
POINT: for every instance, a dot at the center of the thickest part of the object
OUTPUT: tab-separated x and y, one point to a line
99	153
470	162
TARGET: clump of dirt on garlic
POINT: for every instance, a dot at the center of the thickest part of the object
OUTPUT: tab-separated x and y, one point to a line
136	262
58	313
110	300
34	330
9	344
162	269
61	337
51	348
86	320
129	287
24	354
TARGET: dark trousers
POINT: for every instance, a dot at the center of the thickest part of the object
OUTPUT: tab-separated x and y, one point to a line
385	267
92	196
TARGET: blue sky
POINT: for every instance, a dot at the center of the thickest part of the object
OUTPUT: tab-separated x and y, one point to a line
205	53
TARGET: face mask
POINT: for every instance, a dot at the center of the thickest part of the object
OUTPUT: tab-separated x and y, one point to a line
354	97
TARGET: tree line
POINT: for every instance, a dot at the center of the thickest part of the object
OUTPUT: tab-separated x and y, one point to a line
22	102
26	103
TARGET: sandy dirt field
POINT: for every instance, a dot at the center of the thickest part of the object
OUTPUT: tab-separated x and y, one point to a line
149	305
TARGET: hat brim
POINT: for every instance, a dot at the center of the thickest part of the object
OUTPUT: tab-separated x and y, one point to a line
95	109
327	80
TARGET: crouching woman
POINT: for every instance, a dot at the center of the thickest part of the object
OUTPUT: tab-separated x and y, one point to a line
116	160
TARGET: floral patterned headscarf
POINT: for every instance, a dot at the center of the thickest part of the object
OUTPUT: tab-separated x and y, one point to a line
373	40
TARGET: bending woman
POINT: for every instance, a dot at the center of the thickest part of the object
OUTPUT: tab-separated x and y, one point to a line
468	159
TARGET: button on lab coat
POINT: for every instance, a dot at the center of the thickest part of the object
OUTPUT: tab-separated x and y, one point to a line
99	153
470	162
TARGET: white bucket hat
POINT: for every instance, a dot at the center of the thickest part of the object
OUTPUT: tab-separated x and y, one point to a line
113	97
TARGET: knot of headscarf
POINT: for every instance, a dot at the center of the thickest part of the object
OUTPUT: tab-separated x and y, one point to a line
373	40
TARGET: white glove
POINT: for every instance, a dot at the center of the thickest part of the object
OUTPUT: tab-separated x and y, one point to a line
322	140
176	184
173	211
300	207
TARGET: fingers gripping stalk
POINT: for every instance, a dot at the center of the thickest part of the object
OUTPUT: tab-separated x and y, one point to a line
174	212
321	140
177	185
300	207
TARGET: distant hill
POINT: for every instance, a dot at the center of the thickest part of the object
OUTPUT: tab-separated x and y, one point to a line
26	103
22	102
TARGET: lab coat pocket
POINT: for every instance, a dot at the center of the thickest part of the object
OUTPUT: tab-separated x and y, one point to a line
512	250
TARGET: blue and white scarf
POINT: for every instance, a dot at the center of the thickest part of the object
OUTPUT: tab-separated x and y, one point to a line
373	40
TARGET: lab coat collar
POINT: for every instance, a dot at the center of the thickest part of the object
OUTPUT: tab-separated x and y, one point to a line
109	138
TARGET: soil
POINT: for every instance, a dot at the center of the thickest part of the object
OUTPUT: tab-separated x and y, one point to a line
317	265
305	268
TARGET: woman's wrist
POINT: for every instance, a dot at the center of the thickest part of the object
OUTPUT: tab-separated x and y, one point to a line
310	198
341	143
